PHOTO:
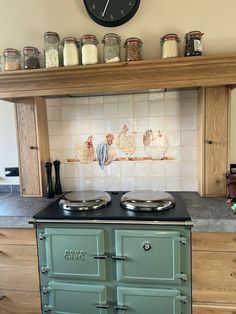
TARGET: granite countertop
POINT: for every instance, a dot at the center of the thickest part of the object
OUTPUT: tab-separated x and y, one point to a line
208	214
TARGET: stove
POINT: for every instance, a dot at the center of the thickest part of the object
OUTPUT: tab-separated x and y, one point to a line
122	206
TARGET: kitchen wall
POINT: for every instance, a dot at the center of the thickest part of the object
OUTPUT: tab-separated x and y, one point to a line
126	142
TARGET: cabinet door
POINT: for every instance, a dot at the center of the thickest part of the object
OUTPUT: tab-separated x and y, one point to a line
66	298
150	301
74	253
148	256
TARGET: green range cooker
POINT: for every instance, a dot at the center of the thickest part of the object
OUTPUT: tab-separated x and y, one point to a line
104	253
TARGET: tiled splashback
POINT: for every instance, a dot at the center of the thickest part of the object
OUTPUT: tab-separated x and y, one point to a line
126	142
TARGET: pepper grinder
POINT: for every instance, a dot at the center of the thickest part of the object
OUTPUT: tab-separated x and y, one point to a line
48	167
58	189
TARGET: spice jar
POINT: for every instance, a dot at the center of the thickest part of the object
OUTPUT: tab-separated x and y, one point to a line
70	51
31	58
11	59
169	44
89	49
193	45
111	48
133	49
51	49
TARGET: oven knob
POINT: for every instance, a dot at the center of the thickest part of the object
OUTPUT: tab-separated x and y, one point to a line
147	246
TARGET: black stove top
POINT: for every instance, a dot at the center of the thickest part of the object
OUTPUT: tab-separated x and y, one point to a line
115	212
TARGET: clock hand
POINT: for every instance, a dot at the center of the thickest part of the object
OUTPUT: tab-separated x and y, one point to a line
104	11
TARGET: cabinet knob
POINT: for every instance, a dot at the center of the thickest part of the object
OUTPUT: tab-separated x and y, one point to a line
209	142
2	297
34	147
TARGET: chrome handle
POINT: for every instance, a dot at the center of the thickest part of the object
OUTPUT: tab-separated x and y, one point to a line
102	306
2	297
119	258
121	307
48	308
100	256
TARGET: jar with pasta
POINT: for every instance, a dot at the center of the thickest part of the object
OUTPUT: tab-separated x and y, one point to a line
89	50
169	44
133	49
12	59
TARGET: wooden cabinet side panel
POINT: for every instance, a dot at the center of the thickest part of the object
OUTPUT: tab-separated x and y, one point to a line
28	158
214	241
17	236
213	309
216	131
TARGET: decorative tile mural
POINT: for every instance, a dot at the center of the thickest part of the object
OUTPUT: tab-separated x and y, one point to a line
126	142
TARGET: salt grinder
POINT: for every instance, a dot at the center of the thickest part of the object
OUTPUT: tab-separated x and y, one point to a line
58	189
48	167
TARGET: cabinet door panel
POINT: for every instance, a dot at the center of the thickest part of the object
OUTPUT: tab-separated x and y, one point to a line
149	256
65	298
151	301
70	253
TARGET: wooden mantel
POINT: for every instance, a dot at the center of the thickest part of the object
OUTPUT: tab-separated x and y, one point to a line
121	77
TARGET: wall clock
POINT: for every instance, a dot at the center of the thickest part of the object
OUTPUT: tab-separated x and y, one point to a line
111	12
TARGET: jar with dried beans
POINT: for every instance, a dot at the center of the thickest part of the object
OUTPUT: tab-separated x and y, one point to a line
133	49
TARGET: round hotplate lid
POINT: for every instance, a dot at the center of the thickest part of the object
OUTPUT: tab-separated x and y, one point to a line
147	200
85	200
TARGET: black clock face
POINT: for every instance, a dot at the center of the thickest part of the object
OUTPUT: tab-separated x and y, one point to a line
111	12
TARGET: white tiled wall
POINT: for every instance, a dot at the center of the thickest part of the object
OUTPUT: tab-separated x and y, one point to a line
72	120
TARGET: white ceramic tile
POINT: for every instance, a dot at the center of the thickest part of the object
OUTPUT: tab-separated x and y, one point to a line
56	154
127	169
188	153
172	107
54	113
156	108
96	111
70	141
140	97
69	170
113	169
140	152
129	122
126	110
188	138
67	101
99	184
189	184
189	169
127	184
172	95
54	128
158	95
141	124
68	184
174	152
97	126
142	169
68	127
158	183
190	93
109	99
69	154
84	170
142	183
67	112
127	98
113	184
157	168
173	138
111	126
95	100
189	106
141	109
82	111
86	184
173	183
81	100
111	110
156	123
98	171
172	168
189	122
53	101
56	142
172	123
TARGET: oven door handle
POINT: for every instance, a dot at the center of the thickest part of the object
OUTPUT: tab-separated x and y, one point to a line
119	258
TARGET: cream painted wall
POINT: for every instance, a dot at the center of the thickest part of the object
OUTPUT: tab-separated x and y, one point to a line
24	22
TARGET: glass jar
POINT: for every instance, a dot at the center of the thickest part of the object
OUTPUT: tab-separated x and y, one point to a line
70	51
12	59
89	49
133	49
31	58
111	48
169	44
193	45
51	50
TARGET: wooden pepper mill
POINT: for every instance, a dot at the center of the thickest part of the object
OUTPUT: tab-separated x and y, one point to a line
58	189
48	167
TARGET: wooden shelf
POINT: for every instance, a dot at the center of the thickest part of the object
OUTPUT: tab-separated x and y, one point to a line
121	77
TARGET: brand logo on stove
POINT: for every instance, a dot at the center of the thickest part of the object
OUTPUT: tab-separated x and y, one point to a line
74	255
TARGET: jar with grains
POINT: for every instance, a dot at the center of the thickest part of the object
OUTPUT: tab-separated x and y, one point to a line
193	44
31	58
51	50
12	59
111	48
169	44
89	49
70	51
133	49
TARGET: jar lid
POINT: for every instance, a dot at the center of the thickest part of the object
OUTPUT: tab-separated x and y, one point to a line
89	37
194	34
51	34
30	49
111	36
169	37
133	40
11	51
68	40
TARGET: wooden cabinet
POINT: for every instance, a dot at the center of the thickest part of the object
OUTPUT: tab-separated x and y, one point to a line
19	287
33	145
214	273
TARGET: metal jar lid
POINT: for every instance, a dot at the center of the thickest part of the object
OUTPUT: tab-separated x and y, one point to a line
31	49
68	40
11	52
111	36
85	200
169	37
89	37
194	34
133	40
147	201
